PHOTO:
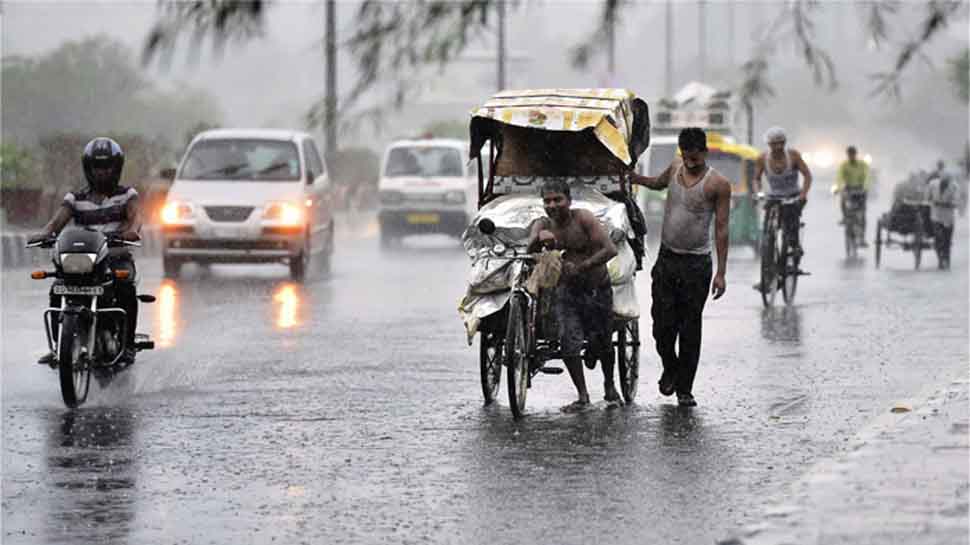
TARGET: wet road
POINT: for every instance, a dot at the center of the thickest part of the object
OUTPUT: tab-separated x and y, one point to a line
348	409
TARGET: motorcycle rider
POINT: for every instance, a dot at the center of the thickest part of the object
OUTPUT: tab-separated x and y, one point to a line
853	175
112	209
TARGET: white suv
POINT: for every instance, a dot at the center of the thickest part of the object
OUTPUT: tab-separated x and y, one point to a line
249	196
426	186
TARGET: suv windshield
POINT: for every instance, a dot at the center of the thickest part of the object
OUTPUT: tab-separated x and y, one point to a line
423	161
264	160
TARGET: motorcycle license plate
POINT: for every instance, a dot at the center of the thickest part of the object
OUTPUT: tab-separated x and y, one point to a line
423	219
78	290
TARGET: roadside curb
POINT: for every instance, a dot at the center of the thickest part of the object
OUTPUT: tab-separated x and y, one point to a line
904	476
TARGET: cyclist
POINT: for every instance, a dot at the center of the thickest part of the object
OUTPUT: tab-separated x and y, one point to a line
781	166
853	176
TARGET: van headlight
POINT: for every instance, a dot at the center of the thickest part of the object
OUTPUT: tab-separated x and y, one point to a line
78	263
499	248
285	213
455	197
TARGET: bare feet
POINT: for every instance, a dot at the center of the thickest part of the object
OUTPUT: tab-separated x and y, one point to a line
577	406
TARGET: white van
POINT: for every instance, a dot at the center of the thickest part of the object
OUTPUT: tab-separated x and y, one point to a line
655	159
426	186
249	196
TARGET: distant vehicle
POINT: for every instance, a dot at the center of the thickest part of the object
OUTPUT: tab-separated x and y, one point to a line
426	186
249	196
658	156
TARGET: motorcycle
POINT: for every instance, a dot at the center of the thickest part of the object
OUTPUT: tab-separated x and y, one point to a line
92	330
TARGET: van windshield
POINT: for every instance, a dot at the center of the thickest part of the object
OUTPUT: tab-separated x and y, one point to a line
242	160
426	161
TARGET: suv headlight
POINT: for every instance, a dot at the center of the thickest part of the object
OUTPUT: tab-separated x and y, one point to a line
285	213
455	197
78	263
177	212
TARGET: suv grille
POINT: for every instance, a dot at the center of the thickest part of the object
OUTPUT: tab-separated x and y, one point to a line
228	213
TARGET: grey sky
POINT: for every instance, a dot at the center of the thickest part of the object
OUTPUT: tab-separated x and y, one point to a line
272	81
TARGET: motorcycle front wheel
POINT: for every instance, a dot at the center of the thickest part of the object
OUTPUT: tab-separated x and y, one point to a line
74	373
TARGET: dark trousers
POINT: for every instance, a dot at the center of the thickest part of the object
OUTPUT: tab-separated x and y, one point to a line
680	287
943	240
125	297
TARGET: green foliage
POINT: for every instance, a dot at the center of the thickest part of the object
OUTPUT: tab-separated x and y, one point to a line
93	86
959	67
18	169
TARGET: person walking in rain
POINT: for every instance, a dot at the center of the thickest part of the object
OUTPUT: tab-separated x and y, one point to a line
943	196
697	194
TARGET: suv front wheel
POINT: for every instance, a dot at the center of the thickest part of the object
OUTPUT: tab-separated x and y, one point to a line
299	262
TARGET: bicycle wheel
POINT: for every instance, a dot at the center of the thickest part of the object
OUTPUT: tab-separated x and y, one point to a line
769	258
789	266
73	371
850	248
628	358
516	356
490	364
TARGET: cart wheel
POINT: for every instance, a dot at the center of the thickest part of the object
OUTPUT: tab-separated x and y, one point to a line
849	240
878	242
490	364
628	358
516	356
918	242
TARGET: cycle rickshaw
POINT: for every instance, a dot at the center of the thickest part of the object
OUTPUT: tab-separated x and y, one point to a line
909	220
591	138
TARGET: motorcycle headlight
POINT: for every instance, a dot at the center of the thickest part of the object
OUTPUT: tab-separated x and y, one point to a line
285	213
455	197
78	263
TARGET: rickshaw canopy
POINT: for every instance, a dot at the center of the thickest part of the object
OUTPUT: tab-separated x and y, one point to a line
574	131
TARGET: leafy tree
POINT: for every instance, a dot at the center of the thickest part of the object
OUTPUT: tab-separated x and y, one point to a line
959	67
93	86
18	168
392	40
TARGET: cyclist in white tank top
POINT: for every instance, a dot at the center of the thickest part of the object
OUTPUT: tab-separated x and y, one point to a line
782	166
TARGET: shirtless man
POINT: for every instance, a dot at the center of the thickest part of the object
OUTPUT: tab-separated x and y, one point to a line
584	296
697	194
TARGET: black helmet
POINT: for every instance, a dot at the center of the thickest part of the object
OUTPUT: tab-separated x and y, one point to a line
103	152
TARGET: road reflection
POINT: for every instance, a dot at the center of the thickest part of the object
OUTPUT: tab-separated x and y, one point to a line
168	321
782	324
587	471
287	300
90	463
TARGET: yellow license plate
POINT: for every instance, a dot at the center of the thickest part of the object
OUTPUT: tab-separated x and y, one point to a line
423	219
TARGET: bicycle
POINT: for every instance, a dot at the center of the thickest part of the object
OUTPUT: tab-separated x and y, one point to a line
855	222
531	336
779	256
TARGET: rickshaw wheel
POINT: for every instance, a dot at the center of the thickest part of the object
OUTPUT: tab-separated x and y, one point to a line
878	242
490	364
628	358
516	356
